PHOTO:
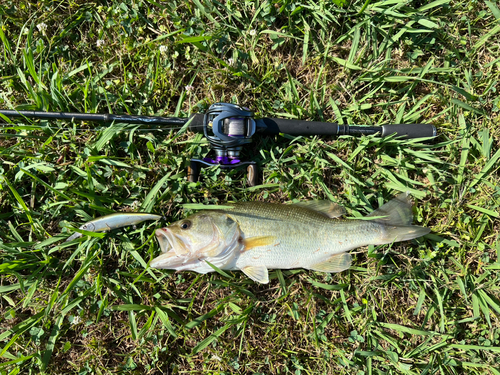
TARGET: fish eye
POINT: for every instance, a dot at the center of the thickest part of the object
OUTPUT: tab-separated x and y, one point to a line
186	224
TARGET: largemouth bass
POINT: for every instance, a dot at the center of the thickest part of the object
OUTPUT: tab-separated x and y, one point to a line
254	237
114	221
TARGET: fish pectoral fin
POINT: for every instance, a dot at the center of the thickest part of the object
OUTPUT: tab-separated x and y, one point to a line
257	241
257	273
336	263
325	208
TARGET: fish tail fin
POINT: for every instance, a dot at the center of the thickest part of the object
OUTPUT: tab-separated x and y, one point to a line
396	217
398	234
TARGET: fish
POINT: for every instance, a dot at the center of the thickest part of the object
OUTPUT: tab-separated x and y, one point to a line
114	221
255	237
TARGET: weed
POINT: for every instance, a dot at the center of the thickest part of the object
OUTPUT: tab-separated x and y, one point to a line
422	307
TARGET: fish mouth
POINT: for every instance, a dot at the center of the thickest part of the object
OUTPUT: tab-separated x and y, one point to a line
168	241
163	260
166	260
163	241
171	261
173	251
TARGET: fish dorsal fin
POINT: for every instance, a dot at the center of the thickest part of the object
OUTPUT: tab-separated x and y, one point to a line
251	242
395	212
336	263
325	208
257	273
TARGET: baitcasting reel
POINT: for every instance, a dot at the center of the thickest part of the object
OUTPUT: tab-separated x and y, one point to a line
227	127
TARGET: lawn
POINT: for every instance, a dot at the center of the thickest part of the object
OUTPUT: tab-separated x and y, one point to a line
426	306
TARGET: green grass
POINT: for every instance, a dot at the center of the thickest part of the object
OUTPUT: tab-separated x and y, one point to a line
430	306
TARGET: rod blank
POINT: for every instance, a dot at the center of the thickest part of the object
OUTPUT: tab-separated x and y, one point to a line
99	117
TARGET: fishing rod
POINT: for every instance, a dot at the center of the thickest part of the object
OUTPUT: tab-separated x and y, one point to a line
228	127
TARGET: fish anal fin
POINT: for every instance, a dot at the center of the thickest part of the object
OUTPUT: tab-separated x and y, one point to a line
257	241
325	208
258	274
336	263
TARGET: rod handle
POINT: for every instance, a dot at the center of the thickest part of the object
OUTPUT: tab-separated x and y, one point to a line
272	126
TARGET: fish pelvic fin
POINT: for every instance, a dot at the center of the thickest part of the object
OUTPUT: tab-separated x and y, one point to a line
336	263
257	241
325	208
396	217
258	274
